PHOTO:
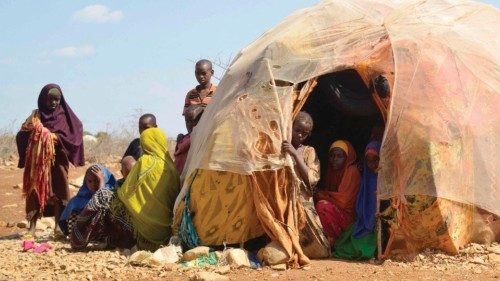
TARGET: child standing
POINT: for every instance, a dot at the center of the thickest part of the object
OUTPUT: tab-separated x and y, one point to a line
192	115
307	167
48	140
201	94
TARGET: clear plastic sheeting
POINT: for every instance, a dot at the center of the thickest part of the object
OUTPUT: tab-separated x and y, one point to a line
443	129
441	59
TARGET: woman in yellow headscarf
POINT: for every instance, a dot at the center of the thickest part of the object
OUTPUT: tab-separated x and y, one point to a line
141	210
149	191
336	197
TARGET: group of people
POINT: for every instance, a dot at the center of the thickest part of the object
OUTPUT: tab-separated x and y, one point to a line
340	209
137	209
134	210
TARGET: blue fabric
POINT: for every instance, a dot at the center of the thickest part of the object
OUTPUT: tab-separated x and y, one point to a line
187	231
254	261
366	202
77	203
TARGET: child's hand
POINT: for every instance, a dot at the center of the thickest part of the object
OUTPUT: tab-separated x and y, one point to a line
287	147
96	171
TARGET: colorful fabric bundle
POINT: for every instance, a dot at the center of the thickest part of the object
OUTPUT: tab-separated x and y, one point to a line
40	156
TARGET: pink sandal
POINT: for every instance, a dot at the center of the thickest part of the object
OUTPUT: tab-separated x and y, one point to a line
42	248
27	245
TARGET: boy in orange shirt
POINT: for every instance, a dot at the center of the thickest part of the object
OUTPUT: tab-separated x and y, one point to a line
201	94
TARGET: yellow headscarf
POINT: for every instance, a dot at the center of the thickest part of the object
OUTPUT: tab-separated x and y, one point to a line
150	190
340	144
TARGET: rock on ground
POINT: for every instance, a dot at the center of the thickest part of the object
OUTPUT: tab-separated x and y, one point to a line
208	276
273	253
196	252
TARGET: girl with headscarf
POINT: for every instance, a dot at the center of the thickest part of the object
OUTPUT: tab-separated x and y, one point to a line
48	141
337	196
140	211
96	177
359	241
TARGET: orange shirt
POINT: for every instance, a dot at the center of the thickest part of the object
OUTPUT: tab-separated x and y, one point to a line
193	96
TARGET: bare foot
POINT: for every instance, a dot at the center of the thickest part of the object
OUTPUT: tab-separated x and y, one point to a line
58	234
32	229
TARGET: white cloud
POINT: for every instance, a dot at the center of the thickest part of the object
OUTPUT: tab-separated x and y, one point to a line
74	51
97	14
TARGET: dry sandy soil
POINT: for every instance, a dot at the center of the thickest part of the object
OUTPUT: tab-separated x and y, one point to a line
475	262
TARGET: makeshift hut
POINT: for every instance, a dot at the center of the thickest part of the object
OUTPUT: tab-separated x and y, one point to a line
427	71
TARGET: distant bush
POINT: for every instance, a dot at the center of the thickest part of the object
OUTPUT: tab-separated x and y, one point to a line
109	147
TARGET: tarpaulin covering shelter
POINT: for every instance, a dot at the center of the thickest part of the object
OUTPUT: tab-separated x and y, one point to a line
442	123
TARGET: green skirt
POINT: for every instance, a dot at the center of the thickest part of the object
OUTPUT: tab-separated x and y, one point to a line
348	247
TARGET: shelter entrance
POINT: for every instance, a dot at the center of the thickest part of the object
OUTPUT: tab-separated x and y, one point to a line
342	107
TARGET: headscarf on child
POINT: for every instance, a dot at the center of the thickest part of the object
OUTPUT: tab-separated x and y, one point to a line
77	203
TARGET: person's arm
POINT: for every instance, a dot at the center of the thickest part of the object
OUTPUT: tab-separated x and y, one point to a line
186	103
312	161
96	171
299	162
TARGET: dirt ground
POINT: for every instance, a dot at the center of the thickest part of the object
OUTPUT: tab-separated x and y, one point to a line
62	264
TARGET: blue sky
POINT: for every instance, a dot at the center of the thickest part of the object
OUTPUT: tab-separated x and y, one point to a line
114	59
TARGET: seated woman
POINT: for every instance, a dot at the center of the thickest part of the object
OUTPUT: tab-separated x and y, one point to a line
337	195
96	177
140	211
359	241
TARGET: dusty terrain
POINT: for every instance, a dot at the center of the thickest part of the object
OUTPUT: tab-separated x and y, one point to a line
475	262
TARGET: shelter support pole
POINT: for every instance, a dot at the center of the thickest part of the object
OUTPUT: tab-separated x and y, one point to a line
284	137
303	95
379	230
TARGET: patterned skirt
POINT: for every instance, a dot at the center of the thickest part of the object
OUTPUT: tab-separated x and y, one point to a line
104	219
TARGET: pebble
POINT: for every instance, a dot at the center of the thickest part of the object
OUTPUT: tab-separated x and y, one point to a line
494	258
223	269
49	222
196	252
208	276
279	267
170	267
237	258
41	226
494	249
477	260
10	206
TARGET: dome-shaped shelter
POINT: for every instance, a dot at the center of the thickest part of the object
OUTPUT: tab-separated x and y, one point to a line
438	101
